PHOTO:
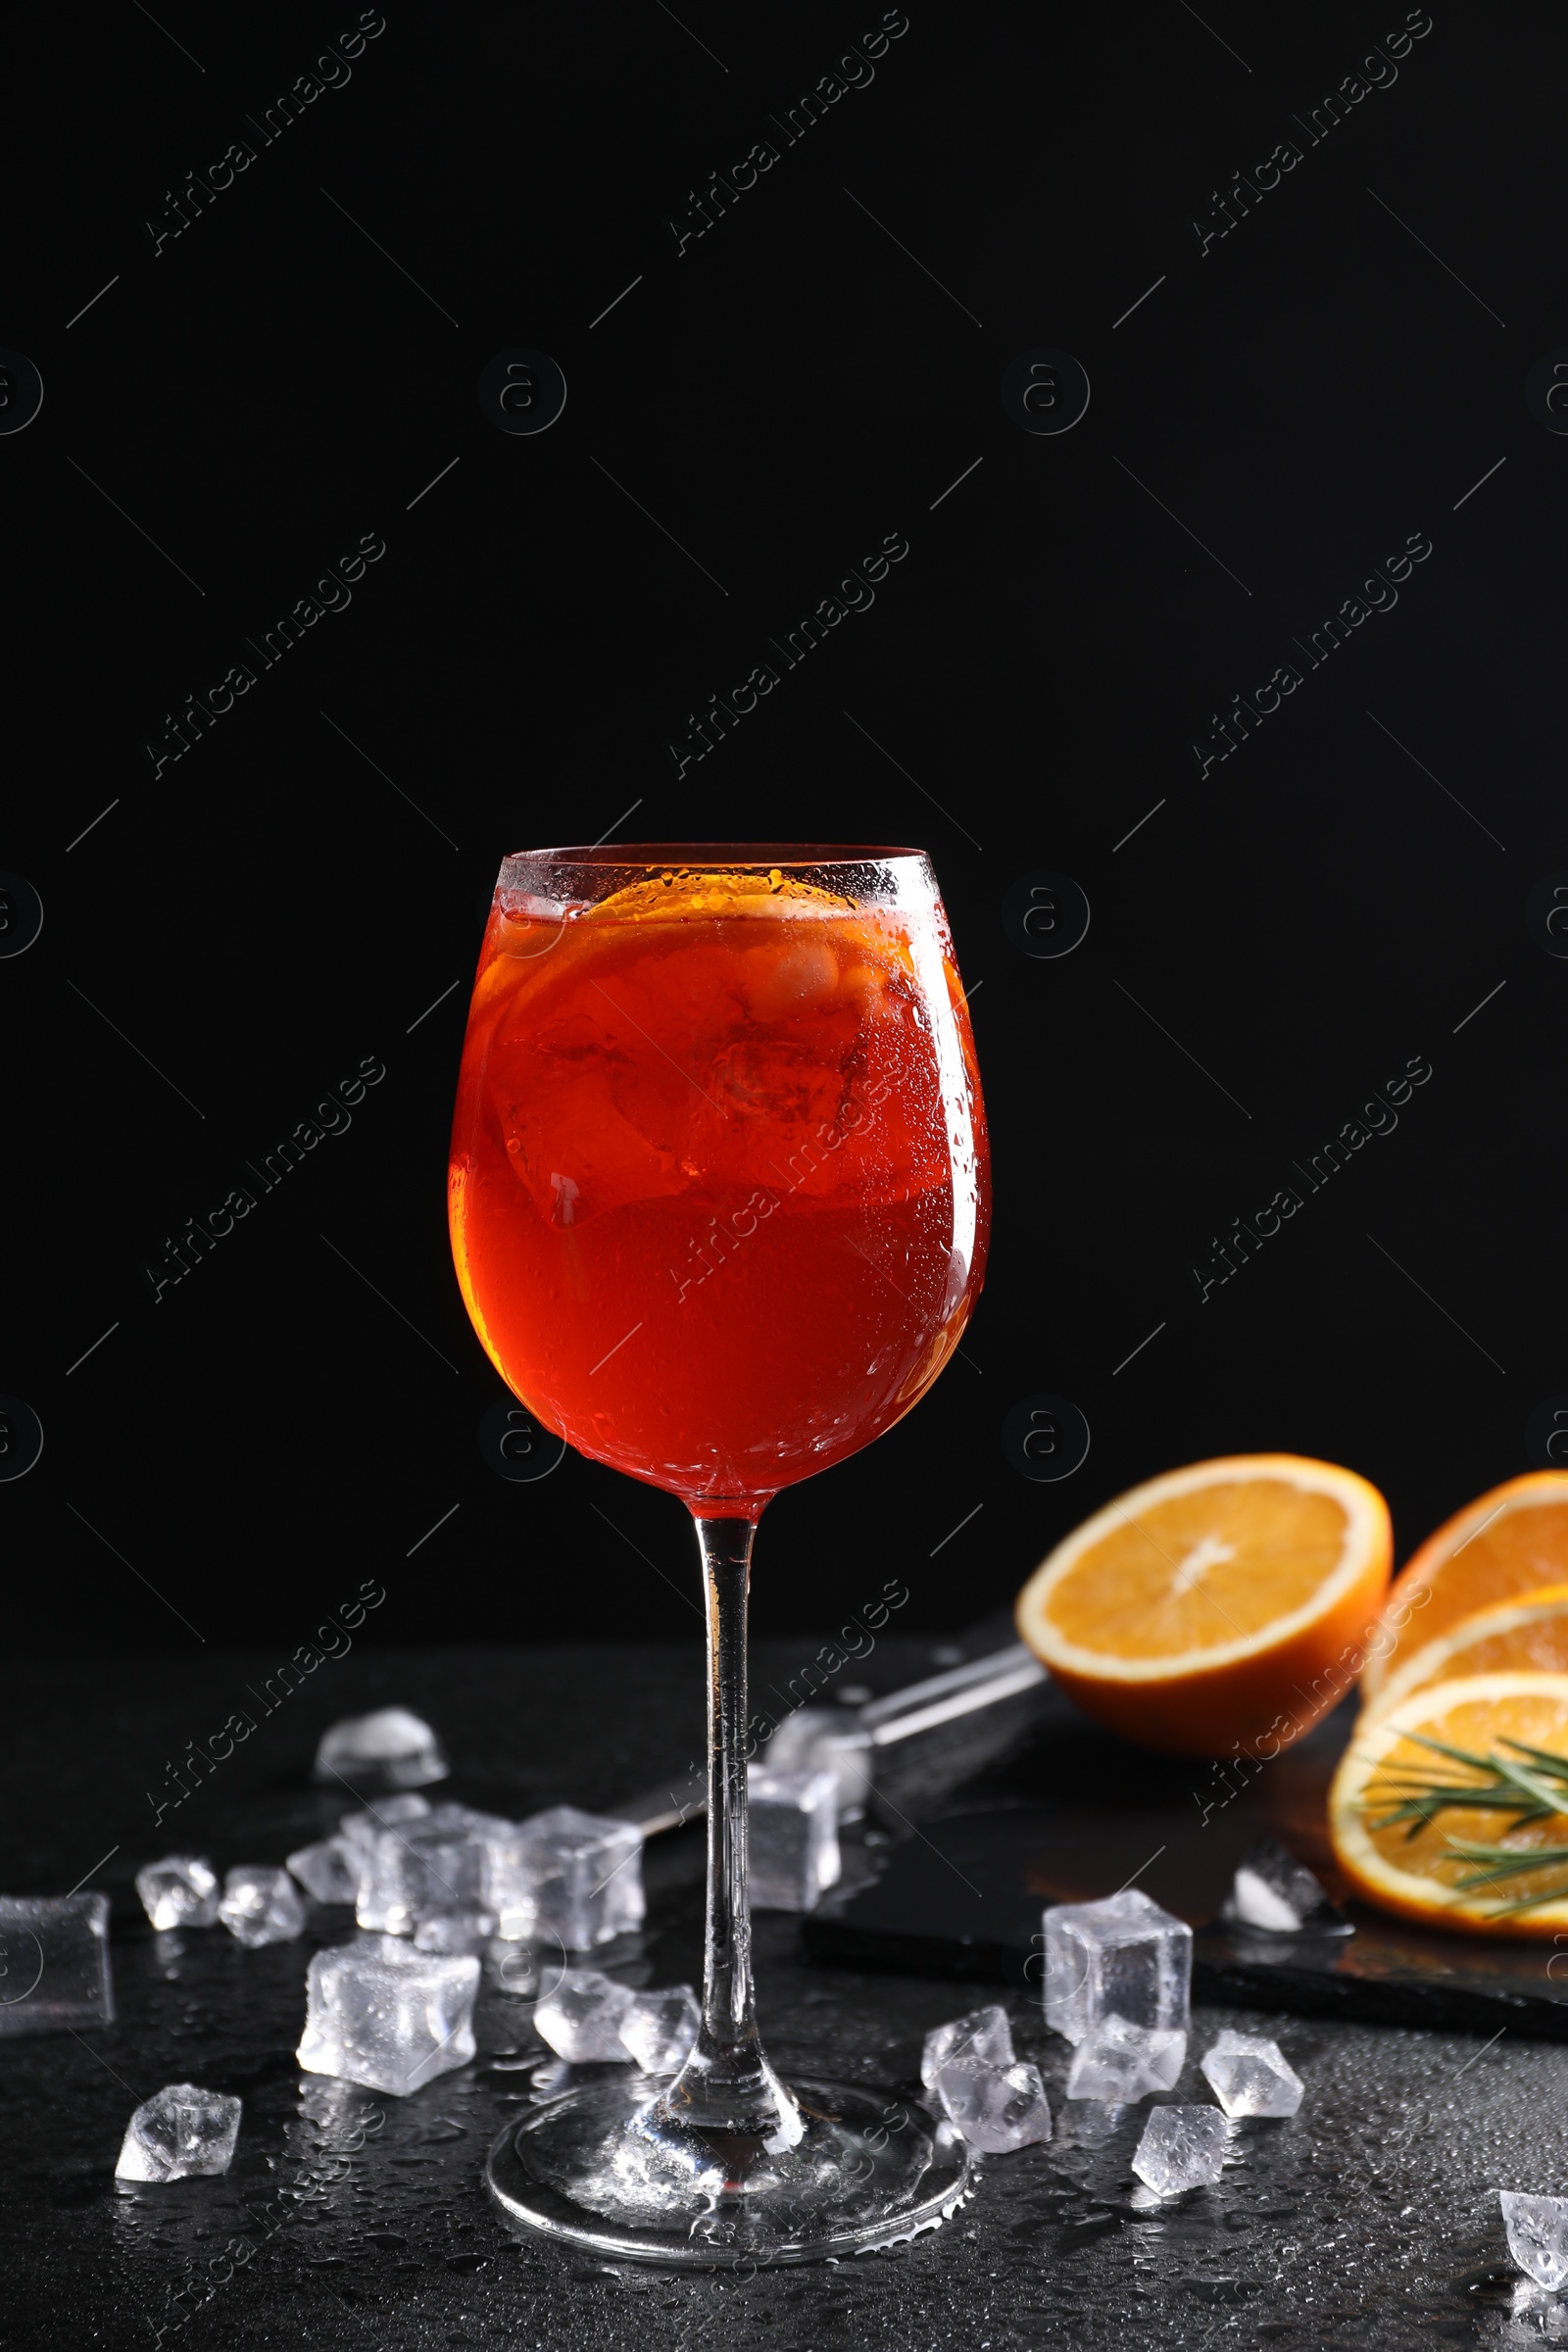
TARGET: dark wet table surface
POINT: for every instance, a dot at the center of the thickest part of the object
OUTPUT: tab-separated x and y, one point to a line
351	2219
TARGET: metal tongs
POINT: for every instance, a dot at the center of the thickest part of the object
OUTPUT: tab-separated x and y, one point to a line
901	1752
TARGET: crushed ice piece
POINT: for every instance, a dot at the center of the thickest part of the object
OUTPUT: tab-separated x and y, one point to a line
580	2016
659	2028
826	1740
1182	2147
329	1871
429	1867
454	1932
389	1749
1273	1891
794	1837
54	1953
983	2033
1119	2062
383	2014
261	1905
1123	1957
1538	2235
180	1891
995	2108
364	1824
1250	2076
178	2134
565	1876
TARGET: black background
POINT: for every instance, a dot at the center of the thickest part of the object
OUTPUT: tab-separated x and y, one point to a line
291	896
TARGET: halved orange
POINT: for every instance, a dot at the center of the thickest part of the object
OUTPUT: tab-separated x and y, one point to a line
1224	1606
1513	1540
1416	1877
1525	1635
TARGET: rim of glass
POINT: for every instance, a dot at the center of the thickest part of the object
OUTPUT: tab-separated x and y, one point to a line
733	855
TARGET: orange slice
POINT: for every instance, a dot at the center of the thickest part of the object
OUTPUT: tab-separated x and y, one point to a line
1417	1877
1224	1606
1528	1636
1513	1540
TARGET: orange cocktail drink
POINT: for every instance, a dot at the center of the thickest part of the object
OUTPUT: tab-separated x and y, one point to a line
718	1192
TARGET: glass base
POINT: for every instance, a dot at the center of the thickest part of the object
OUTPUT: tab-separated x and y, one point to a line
596	2168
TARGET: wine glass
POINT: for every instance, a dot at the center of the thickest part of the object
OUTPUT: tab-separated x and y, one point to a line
719	1200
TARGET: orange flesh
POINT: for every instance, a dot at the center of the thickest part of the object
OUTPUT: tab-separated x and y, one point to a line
1451	1576
1538	1645
1518	1553
1158	1588
1537	1721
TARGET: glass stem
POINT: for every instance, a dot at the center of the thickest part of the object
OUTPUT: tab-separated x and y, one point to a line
727	2085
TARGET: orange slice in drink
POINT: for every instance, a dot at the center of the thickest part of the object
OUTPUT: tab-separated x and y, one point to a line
1224	1606
1529	1635
1423	1877
1513	1540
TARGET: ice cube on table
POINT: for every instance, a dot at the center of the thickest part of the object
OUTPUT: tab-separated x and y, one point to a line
995	2108
1538	2235
1273	1891
658	2028
825	1740
983	2033
180	1891
1123	1957
794	1837
579	2016
565	1876
1182	2147
1250	2076
389	1749
54	1950
364	1824
383	2014
179	2132
261	1905
429	1867
329	1871
1119	2062
454	1932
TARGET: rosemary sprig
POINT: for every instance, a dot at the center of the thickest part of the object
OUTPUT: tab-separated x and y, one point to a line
1532	1790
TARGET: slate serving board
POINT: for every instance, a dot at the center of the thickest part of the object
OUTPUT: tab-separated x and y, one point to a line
1080	1814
